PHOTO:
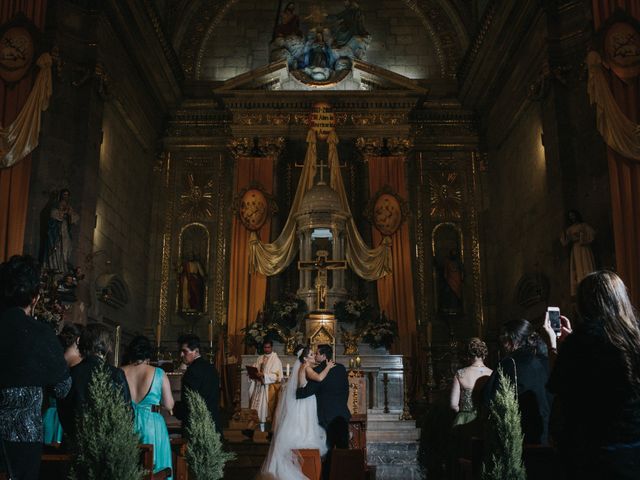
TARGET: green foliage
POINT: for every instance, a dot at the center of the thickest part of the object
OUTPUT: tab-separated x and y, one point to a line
205	455
106	444
380	332
503	459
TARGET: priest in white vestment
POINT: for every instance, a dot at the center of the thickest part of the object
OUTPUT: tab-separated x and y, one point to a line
263	393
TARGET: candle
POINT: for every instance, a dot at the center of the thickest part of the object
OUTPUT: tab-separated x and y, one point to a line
288	371
211	334
158	334
429	333
351	363
357	362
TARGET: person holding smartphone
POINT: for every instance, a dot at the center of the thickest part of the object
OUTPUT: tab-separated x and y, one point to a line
596	380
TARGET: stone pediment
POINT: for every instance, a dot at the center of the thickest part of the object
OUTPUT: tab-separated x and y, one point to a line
363	76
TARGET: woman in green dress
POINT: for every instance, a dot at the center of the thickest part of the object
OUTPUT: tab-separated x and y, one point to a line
150	390
466	396
51	428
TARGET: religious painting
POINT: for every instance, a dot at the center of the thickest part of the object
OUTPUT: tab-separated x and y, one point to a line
17	50
448	269
254	206
622	50
192	276
387	210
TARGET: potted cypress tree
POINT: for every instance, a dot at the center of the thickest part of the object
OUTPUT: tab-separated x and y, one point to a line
503	457
106	445
205	456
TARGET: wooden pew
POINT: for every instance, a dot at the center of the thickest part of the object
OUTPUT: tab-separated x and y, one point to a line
311	463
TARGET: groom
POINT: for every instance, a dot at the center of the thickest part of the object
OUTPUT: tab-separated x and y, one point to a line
332	396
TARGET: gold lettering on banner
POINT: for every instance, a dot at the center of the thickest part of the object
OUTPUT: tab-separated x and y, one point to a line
322	120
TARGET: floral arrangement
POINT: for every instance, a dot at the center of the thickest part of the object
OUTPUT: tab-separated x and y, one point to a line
380	332
256	333
285	311
354	311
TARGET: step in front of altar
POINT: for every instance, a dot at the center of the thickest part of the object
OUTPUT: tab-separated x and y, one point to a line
249	458
392	446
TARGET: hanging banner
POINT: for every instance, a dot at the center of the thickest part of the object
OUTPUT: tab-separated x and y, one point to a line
322	120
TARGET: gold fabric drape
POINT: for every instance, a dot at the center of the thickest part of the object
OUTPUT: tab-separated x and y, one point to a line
20	138
272	258
14	181
620	133
395	291
368	263
247	293
624	171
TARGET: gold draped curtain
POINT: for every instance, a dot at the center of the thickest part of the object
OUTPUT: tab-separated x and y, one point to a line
273	258
247	293
615	122
14	181
395	291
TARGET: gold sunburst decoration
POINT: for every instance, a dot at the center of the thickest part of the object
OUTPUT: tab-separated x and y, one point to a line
196	201
446	195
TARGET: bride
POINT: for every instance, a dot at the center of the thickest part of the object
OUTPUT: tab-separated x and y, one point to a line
296	422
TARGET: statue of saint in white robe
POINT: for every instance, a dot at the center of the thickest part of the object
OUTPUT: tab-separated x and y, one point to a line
264	395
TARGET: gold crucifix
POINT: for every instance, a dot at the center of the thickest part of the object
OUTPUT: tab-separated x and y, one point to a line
321	265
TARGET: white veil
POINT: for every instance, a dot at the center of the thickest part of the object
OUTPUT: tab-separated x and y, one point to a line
295	426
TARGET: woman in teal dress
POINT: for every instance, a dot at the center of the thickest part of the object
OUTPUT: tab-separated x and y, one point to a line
150	390
51	428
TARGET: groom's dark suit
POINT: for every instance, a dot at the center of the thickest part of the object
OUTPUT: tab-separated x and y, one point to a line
332	395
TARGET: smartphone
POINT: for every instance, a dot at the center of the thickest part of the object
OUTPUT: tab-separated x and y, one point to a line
554	319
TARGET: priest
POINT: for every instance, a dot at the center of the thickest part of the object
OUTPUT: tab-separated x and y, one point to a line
263	391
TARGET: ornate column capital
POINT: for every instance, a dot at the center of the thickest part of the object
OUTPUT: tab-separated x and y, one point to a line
384	146
256	146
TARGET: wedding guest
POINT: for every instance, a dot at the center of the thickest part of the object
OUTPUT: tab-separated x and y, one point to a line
596	379
68	337
31	359
528	368
95	343
201	377
150	389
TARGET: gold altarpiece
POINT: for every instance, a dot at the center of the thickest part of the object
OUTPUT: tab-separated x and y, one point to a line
444	169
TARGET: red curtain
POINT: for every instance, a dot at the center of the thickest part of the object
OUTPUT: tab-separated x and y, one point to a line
624	173
247	293
395	291
14	181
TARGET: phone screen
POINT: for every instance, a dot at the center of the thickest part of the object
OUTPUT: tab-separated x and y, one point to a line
554	318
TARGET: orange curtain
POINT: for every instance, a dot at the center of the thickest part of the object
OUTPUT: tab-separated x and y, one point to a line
624	173
395	291
14	181
247	293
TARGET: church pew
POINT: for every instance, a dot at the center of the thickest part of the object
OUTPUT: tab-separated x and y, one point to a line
179	459
349	464
311	463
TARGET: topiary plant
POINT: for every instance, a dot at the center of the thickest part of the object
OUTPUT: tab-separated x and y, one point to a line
503	458
106	445
205	455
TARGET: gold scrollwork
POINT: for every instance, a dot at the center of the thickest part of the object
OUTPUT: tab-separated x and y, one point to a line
475	248
221	250
254	206
301	119
256	147
363	119
383	146
249	118
278	118
387	211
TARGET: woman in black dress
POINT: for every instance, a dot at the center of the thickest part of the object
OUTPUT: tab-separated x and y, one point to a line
596	379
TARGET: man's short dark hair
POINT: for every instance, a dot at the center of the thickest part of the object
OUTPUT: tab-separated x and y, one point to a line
19	281
192	341
326	350
95	340
267	341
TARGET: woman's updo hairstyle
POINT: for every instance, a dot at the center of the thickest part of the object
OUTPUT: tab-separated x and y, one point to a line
304	353
476	348
139	349
69	335
518	334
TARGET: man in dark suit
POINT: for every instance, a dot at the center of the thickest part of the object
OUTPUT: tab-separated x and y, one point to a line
201	377
94	345
332	395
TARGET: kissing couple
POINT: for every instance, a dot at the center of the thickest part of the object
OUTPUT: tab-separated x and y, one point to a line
311	413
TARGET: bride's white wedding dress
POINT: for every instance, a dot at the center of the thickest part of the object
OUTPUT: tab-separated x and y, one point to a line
296	426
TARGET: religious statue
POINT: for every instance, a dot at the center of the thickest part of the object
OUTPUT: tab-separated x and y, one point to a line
347	24
579	236
264	388
192	286
451	273
57	254
289	23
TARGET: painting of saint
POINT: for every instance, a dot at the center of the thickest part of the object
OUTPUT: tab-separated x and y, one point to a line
192	286
57	253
